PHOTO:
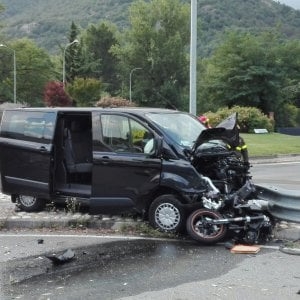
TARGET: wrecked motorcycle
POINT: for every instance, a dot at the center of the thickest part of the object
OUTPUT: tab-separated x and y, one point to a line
230	206
239	215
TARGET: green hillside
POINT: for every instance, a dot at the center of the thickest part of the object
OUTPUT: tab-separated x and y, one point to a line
48	22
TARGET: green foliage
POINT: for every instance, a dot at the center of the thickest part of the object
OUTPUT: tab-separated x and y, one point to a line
85	91
98	61
246	68
249	118
48	21
156	43
218	16
33	70
72	54
288	116
244	71
251	70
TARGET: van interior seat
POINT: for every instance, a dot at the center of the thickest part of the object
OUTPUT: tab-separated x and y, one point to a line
78	149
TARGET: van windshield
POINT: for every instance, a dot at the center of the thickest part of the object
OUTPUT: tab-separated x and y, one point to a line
182	128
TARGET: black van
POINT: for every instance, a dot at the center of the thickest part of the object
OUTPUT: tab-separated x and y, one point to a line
113	160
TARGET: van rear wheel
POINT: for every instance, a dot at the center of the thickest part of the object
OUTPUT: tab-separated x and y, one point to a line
167	214
30	203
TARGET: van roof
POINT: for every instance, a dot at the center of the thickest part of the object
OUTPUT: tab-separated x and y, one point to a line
136	110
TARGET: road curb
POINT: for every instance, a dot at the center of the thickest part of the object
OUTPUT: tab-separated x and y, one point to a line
62	220
282	231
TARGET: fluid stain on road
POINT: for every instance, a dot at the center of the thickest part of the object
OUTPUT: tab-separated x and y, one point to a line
130	268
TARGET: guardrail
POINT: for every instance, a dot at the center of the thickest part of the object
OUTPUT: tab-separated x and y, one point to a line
283	204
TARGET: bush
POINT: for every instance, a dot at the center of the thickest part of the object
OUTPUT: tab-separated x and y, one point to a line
114	102
288	116
249	118
55	95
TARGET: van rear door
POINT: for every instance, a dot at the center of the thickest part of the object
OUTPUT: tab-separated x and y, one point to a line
26	151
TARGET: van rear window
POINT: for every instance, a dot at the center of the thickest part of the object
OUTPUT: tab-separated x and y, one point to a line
28	126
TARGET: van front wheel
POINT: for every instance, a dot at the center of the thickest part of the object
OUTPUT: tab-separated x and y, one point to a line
30	203
166	213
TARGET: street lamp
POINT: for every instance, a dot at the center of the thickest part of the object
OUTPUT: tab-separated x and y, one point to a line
15	72
193	58
130	81
64	60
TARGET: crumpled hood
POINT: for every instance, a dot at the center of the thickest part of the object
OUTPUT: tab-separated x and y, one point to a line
226	131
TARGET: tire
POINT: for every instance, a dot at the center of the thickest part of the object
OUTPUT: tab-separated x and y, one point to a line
30	203
167	214
200	230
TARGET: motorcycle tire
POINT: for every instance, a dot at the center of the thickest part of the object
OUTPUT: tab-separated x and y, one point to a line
199	228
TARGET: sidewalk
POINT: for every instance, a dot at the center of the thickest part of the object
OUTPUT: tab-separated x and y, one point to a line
10	218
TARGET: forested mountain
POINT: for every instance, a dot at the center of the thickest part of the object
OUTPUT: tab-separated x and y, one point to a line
48	22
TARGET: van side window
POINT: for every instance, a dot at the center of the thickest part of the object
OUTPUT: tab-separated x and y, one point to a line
28	126
123	134
115	132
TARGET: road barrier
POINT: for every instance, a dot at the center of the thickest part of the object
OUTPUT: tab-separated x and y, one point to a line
283	204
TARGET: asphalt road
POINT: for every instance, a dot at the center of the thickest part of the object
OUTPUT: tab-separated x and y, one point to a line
285	175
170	270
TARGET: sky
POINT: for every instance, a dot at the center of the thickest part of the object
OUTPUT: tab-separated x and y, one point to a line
293	3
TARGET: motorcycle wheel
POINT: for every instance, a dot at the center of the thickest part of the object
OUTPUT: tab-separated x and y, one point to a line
201	230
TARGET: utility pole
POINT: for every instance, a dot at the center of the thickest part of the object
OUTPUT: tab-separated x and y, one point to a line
193	59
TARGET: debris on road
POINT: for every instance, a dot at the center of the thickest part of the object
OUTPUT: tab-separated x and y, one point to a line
67	256
245	249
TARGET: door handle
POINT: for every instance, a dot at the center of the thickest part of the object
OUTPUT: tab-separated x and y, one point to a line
105	160
43	149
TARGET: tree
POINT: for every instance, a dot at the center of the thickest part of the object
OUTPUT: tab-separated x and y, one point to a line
99	62
72	55
33	69
244	71
55	95
6	74
156	42
85	91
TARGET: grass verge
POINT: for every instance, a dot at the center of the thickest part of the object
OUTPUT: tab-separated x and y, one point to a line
268	144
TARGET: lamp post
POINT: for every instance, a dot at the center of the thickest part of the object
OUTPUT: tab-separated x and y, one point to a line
15	71
193	58
134	69
64	60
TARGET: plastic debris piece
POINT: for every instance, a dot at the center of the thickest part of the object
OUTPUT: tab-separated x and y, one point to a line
67	256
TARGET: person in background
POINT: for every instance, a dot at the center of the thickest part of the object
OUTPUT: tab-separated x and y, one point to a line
204	120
